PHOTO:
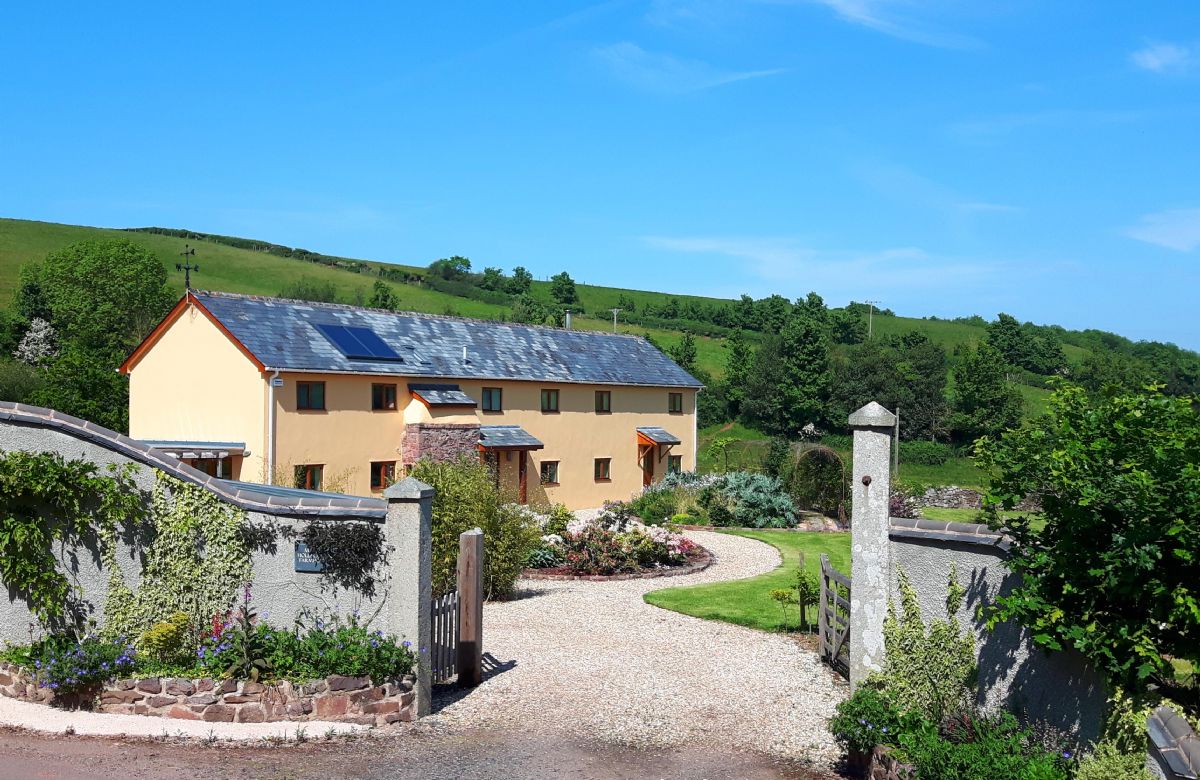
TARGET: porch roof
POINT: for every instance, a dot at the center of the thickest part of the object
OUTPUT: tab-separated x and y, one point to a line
655	435
507	437
197	449
440	394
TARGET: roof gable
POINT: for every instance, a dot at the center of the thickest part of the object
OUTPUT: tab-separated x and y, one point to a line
285	335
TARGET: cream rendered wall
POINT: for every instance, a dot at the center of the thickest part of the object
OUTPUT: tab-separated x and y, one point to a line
194	384
348	435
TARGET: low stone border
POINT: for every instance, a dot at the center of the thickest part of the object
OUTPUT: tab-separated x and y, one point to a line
884	766
702	561
344	699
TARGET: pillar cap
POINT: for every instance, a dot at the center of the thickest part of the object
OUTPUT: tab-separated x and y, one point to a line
872	415
409	489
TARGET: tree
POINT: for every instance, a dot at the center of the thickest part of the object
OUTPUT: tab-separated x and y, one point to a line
684	353
847	327
562	288
985	403
492	279
520	283
104	295
738	362
80	383
531	311
1036	350
789	386
39	344
921	371
383	297
450	268
1115	572
308	289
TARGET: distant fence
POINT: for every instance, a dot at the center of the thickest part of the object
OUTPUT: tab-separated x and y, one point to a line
833	618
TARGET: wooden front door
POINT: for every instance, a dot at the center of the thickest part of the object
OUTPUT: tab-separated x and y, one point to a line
647	466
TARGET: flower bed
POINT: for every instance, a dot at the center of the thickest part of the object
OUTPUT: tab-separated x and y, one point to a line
335	698
614	545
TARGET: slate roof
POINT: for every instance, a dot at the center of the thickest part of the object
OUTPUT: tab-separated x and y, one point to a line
175	445
498	437
281	334
659	435
441	395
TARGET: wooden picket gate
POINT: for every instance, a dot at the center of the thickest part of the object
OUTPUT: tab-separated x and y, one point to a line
834	617
456	630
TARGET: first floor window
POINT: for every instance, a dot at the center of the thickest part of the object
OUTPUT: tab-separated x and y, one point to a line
383	474
309	476
383	397
549	400
549	472
310	395
675	464
603	469
675	403
603	401
493	399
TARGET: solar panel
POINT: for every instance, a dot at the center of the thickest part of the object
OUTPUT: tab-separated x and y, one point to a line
358	343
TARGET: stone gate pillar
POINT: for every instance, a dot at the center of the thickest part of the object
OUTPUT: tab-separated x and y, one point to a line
870	564
410	603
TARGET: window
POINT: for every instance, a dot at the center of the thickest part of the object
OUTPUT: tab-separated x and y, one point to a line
675	403
310	395
549	472
550	401
383	474
309	477
603	402
603	469
674	464
493	399
383	397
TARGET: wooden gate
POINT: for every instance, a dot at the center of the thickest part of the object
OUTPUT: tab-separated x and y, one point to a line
443	645
834	617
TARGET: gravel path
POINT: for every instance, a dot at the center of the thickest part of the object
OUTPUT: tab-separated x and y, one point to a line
591	659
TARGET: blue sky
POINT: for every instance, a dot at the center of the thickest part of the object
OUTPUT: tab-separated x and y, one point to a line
945	158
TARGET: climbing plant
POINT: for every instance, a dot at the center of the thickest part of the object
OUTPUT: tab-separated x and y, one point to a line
350	552
49	503
195	564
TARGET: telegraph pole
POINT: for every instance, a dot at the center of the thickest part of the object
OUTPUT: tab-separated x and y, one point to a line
615	312
871	318
186	266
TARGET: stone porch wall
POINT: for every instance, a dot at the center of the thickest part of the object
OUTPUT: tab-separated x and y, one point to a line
343	699
439	441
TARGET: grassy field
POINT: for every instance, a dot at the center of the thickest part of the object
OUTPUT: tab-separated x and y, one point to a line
748	602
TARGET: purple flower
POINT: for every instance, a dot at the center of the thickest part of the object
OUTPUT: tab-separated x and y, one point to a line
54	686
406	643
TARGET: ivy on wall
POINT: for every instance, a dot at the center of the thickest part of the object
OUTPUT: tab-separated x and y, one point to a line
49	503
195	564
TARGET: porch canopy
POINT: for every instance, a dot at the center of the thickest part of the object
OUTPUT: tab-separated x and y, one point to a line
652	435
198	449
507	437
440	395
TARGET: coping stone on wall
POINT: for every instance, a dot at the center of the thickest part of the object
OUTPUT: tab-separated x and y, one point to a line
1173	738
247	498
945	531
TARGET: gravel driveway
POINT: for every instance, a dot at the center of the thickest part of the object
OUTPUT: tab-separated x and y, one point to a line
592	660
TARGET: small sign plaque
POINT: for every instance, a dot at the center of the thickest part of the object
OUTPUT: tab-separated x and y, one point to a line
306	561
277	382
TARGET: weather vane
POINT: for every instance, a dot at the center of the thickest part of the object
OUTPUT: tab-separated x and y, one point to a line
187	267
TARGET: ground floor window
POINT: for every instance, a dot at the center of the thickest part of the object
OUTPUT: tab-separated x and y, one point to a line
383	474
309	476
221	468
603	469
549	472
674	464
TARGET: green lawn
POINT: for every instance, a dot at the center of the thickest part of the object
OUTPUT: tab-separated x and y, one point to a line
748	602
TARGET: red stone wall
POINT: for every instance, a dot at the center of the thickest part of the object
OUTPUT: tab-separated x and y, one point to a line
344	699
439	441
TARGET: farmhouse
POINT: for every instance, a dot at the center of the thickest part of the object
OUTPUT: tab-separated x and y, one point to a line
328	396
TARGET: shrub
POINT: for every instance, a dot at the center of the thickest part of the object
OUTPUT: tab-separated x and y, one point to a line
1107	762
467	498
977	748
865	720
925	453
752	500
545	557
557	519
167	641
596	550
69	667
655	506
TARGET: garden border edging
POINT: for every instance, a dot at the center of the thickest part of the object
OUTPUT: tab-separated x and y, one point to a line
336	698
692	567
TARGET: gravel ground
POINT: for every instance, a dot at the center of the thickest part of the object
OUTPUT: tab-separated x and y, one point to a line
591	659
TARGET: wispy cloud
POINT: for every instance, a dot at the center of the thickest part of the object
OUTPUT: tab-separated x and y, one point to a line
906	186
984	128
894	18
1177	229
658	72
787	264
1167	58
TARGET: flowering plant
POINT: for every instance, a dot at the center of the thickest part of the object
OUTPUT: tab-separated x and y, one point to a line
68	666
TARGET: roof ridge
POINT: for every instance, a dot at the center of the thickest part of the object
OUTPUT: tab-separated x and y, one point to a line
424	315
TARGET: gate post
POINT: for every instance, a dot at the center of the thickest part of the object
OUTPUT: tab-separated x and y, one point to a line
470	608
409	530
869	525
